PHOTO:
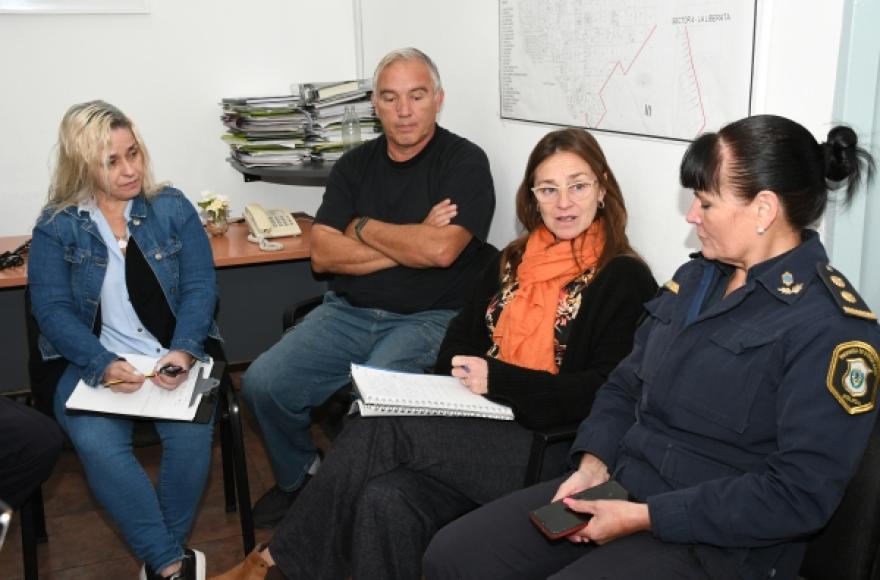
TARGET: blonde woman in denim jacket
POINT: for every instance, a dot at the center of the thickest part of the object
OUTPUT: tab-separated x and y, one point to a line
119	264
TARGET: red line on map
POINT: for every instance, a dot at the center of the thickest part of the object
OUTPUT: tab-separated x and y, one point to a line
624	71
696	80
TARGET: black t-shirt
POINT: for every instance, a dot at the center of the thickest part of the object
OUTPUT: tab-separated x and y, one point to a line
366	182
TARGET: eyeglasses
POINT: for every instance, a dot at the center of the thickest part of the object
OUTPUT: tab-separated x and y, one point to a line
577	191
14	258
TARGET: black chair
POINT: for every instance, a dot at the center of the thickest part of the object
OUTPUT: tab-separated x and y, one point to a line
847	548
45	374
33	532
548	457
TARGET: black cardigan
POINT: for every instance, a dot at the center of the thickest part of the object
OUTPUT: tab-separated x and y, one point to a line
600	336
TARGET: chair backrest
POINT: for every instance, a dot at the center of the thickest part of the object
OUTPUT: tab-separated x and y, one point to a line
846	549
43	375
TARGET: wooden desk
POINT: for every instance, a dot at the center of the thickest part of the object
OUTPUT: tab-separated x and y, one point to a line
231	249
234	249
254	286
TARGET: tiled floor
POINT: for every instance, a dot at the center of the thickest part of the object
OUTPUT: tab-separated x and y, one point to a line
83	544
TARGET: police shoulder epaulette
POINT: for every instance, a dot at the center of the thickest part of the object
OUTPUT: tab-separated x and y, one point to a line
670	285
843	292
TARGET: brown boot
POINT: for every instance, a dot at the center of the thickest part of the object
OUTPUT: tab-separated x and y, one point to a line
253	568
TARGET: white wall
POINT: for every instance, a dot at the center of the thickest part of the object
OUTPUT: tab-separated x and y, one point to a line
168	70
795	72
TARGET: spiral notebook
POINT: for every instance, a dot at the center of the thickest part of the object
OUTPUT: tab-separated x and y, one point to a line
383	392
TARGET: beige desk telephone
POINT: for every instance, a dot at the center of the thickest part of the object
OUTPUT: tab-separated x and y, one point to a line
274	223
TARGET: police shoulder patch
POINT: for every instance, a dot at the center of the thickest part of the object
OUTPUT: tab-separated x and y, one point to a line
844	294
672	286
853	375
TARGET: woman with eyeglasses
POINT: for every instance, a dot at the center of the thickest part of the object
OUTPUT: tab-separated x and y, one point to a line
121	264
745	406
549	319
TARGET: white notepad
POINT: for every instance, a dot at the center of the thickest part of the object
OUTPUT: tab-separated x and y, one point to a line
150	401
388	393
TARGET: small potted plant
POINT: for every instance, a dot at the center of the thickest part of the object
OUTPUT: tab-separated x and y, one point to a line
215	208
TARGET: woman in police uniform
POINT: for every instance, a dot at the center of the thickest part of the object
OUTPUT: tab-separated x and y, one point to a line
746	403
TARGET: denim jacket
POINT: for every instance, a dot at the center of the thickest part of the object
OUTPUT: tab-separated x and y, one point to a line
68	261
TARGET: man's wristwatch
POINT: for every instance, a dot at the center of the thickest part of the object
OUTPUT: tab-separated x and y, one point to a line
360	226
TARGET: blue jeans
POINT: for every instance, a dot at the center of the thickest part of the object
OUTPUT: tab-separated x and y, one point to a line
313	360
154	522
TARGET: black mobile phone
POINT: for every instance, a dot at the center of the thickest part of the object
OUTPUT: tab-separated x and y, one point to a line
555	520
171	370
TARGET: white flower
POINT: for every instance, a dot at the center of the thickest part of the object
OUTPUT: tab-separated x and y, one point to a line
213	203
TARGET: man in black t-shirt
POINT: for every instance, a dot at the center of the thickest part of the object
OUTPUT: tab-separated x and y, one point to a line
400	227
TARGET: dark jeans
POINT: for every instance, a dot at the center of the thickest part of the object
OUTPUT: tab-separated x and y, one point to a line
29	446
386	487
499	541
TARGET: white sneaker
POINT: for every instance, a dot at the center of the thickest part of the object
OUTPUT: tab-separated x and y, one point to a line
192	567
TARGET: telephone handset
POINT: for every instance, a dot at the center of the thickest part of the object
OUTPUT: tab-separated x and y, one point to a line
274	223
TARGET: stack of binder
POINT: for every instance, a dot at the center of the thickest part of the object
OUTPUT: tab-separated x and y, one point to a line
302	127
325	103
266	131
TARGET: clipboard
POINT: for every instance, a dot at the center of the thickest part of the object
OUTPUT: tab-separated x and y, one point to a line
86	399
208	387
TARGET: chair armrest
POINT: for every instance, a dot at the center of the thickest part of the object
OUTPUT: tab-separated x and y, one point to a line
297	311
542	440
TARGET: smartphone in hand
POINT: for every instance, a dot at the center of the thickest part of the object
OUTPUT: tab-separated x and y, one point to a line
556	521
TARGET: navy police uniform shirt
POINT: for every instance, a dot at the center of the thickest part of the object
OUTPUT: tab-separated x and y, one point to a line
741	419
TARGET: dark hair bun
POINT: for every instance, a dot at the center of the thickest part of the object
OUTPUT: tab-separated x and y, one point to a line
841	160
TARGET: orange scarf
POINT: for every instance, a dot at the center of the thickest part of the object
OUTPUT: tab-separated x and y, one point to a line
525	333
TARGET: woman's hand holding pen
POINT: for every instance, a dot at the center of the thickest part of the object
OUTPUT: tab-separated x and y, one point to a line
122	377
472	371
166	374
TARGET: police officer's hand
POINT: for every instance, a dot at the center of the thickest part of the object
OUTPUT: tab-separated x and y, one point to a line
590	473
122	377
612	519
441	214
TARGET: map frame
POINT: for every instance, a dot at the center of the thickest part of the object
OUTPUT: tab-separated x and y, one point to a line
621	68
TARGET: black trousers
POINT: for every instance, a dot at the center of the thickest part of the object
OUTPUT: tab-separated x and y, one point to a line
385	488
29	446
499	541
